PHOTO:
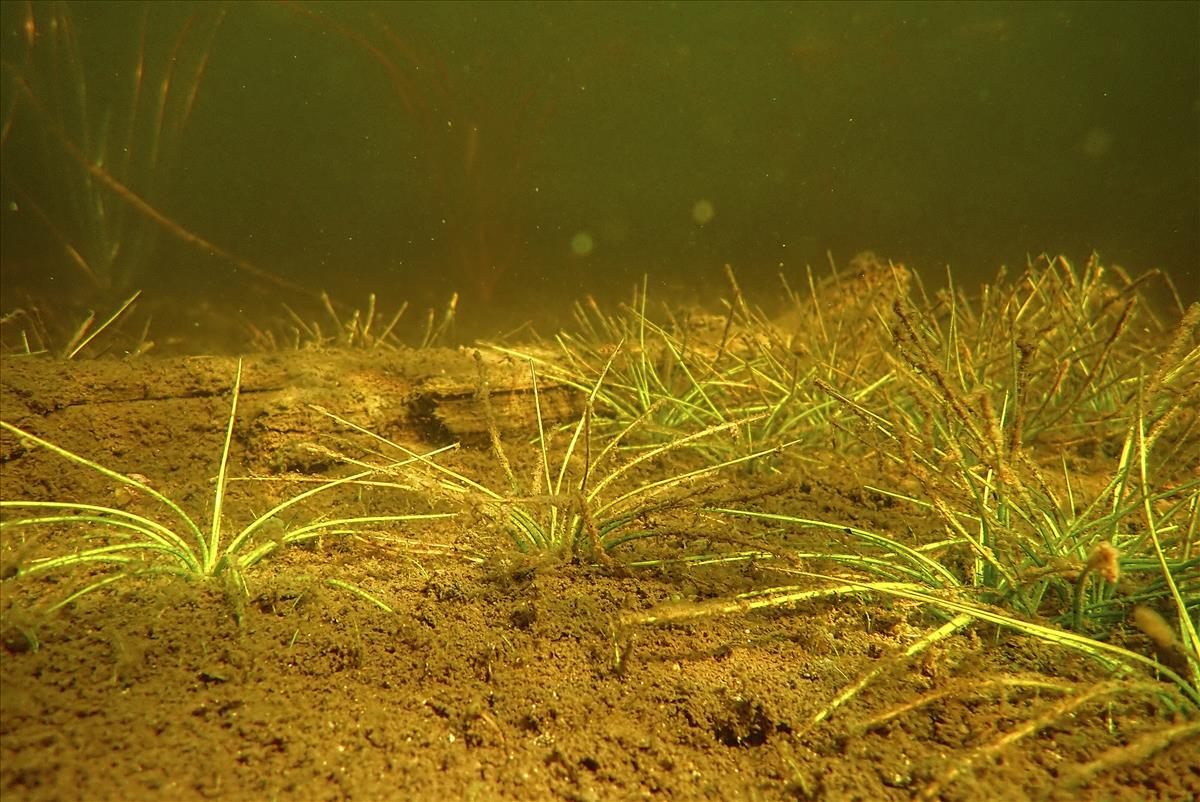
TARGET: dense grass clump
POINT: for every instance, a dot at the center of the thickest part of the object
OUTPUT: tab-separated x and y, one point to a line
1049	430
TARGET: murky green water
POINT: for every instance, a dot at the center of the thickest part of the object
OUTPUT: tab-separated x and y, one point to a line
525	154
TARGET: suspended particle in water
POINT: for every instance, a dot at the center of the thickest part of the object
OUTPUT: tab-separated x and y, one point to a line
703	211
582	244
1097	143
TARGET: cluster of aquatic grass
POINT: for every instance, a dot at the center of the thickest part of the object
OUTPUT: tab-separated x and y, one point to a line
367	329
651	374
1067	345
30	332
579	503
967	417
742	370
1066	553
109	151
582	501
962	404
174	542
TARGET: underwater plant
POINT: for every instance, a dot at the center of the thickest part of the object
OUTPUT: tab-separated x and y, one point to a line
583	504
366	328
1078	561
28	332
175	543
104	170
704	371
100	149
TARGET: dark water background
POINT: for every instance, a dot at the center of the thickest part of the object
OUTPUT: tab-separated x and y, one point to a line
526	154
